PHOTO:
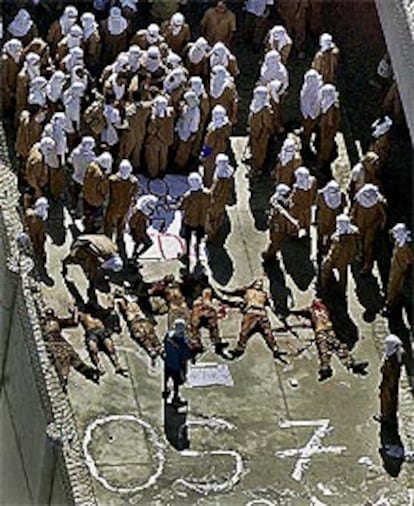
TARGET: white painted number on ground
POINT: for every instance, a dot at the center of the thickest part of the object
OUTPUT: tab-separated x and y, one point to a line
213	486
154	438
312	447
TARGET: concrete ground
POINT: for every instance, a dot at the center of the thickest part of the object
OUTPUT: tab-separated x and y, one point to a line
277	436
236	436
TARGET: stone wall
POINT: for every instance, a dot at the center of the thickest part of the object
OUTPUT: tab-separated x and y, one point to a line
41	454
397	21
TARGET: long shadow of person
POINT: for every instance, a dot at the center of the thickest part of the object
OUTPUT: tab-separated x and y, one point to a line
392	449
175	427
296	258
219	260
55	224
368	293
260	192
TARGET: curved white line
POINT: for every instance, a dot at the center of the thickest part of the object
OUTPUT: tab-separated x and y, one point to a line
155	440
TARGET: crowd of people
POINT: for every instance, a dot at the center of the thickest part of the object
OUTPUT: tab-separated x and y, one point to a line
98	99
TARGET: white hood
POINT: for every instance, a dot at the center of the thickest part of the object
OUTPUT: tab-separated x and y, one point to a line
344	225
55	86
125	169
288	151
146	204
89	24
41	208
160	107
368	195
303	179
260	99
332	195
68	19
198	50
117	24
326	42
281	195
219	55
272	68
153	59
174	79
177	22
393	345
219	117
310	94
14	49
278	37
189	121
329	97
195	181
401	234
21	24
274	88
381	126
48	148
223	169
114	263
197	85
220	79
37	91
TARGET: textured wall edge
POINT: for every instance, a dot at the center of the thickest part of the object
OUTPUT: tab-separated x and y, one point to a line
398	33
62	428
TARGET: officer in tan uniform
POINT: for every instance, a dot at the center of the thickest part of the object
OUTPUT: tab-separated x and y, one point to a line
289	159
303	197
141	330
329	202
96	254
62	354
328	122
260	123
327	342
368	214
281	222
218	24
123	187
176	33
342	251
139	222
216	141
401	261
11	60
204	314
95	190
98	337
35	219
326	59
194	206
255	300
223	184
